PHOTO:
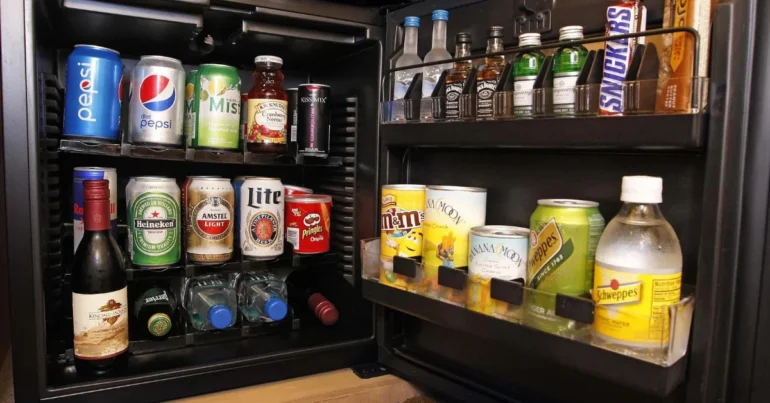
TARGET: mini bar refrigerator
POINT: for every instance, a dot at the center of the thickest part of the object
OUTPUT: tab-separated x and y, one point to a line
712	157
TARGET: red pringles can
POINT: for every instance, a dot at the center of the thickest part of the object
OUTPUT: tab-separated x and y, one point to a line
292	190
308	223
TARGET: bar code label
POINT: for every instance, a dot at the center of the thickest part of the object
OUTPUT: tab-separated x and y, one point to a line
293	135
292	235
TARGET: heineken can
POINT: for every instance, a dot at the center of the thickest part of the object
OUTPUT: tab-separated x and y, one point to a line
217	107
154	221
563	238
189	109
262	221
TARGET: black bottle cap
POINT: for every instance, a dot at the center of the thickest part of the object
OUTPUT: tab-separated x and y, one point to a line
496	31
463	37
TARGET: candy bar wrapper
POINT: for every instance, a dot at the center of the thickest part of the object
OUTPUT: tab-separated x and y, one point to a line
675	78
624	18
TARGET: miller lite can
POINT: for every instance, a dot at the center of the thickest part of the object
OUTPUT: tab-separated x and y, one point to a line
156	105
262	221
209	220
81	174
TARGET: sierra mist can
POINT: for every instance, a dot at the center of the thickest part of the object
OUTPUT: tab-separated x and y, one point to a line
155	113
209	217
217	107
262	221
154	221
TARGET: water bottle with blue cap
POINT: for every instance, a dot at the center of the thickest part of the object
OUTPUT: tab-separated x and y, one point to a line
211	302
262	297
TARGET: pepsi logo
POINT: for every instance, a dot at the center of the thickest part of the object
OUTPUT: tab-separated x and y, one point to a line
85	84
157	93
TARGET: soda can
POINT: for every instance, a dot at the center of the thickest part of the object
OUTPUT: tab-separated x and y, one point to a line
209	217
402	211
308	223
262	221
563	237
154	222
185	185
92	100
154	115
291	114
244	118
217	107
496	251
292	190
450	213
237	183
314	114
81	174
189	107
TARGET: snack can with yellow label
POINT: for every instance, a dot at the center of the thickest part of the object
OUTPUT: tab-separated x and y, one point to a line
563	238
402	211
450	213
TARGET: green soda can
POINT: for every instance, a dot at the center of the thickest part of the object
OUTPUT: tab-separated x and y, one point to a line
154	221
563	238
217	106
189	107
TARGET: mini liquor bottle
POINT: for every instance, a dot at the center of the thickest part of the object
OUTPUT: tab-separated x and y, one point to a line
567	63
456	77
526	67
404	77
489	73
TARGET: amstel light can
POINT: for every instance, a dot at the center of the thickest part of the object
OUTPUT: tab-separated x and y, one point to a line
185	212
402	211
209	220
154	221
262	221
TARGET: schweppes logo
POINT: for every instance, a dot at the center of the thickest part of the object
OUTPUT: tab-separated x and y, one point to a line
617	294
547	252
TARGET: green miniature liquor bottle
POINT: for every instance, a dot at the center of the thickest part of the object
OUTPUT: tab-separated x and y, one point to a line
526	67
567	63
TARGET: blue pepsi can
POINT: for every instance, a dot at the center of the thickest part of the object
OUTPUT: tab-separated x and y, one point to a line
92	101
81	174
237	183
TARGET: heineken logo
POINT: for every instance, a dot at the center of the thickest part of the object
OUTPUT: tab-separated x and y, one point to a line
155	228
155	224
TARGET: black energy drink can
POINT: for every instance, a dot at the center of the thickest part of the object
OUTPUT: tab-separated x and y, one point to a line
313	120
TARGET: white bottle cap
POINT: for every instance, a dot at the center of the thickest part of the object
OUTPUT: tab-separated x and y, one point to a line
642	189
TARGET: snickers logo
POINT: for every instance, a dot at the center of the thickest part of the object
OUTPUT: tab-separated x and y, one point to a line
621	20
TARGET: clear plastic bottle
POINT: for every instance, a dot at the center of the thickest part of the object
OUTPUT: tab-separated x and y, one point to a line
211	302
404	77
262	297
638	271
431	74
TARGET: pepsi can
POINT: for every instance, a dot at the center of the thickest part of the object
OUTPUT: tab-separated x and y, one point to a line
81	174
92	102
155	105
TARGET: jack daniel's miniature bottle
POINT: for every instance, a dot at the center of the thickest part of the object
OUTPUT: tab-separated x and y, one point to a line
489	73
456	77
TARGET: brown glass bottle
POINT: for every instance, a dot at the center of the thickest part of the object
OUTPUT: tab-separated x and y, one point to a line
267	108
456	77
489	73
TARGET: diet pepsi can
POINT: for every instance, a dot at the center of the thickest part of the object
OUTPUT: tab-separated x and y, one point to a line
155	106
92	100
81	174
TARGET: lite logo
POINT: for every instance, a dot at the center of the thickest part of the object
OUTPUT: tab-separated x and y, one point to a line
87	91
157	94
267	196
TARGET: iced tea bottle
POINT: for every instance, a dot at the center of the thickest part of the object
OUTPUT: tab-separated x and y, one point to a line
267	108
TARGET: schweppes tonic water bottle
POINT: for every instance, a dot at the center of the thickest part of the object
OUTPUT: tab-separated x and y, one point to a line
638	272
563	238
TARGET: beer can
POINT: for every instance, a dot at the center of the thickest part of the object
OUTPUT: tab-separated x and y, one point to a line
154	115
291	114
308	223
237	183
450	213
313	119
496	251
154	221
563	237
129	186
185	212
189	107
292	190
217	107
92	100
81	174
209	220
262	221
402	210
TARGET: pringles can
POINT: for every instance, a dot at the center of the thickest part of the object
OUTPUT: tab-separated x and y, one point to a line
154	115
563	237
81	174
308	223
154	222
209	220
261	215
314	115
450	213
496	251
402	211
292	190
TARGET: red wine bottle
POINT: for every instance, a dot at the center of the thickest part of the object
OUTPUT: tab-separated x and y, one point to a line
99	297
322	308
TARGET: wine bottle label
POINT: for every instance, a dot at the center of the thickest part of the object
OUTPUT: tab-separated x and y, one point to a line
633	307
100	324
453	92
485	90
564	92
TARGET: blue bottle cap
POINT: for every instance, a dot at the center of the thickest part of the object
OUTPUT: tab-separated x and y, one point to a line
220	316
440	15
276	309
412	22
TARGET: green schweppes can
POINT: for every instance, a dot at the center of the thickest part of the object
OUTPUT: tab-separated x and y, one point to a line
154	222
563	238
216	107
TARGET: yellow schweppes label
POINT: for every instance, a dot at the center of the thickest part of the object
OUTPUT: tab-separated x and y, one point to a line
616	293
